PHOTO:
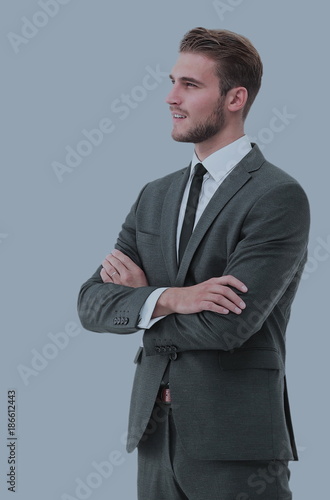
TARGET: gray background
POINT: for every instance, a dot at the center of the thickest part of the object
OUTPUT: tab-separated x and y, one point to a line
73	411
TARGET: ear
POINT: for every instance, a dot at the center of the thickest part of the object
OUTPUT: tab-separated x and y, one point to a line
236	99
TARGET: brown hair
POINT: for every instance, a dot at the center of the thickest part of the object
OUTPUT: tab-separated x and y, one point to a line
238	62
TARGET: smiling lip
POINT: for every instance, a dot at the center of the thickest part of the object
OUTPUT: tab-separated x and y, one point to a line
178	116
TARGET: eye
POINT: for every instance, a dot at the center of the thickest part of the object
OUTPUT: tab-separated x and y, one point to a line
189	84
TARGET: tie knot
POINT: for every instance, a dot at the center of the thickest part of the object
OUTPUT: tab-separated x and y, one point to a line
200	170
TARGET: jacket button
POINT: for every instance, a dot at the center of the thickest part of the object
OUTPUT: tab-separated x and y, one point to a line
173	356
174	348
115	321
126	321
157	348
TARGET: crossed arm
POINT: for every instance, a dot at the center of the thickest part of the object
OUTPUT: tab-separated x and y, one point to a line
268	258
211	295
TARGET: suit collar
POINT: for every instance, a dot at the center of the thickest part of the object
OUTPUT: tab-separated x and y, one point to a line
169	221
253	160
221	162
168	224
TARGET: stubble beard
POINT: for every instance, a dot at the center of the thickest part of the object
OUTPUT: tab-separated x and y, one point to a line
205	130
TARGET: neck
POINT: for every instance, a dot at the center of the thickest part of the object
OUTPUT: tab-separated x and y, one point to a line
218	141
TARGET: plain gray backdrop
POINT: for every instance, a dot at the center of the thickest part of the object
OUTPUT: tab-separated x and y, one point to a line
69	67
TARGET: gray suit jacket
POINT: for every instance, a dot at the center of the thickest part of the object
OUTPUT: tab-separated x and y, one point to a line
227	372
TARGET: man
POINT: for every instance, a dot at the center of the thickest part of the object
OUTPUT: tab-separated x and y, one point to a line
207	263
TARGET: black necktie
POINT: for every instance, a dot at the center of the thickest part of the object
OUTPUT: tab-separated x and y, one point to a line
190	214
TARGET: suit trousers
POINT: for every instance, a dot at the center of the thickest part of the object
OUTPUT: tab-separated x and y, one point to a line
166	472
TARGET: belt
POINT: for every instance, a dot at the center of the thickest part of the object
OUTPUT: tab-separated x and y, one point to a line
164	395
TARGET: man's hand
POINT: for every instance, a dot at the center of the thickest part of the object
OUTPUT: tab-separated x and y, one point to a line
121	270
211	295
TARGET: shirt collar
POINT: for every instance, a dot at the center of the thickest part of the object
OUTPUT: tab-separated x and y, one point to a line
221	162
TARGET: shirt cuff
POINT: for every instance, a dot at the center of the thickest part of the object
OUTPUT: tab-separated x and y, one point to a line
148	308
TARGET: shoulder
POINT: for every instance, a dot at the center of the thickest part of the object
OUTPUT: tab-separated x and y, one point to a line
269	178
159	187
168	179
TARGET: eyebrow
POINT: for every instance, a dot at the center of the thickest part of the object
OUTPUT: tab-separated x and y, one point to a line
187	79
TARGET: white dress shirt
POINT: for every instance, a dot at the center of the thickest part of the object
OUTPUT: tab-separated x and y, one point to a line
218	165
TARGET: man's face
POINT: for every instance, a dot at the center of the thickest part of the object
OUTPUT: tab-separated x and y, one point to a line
195	102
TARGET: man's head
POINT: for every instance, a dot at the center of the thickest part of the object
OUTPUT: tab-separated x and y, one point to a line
215	80
238	63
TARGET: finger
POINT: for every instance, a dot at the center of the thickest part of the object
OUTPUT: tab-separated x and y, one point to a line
211	306
229	294
232	281
222	301
116	264
105	277
110	269
112	278
124	259
115	276
225	293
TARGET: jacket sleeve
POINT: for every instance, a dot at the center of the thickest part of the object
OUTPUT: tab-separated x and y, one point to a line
269	258
106	307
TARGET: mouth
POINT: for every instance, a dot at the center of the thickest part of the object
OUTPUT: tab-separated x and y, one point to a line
178	116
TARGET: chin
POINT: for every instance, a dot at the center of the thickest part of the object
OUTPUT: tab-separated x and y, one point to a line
180	138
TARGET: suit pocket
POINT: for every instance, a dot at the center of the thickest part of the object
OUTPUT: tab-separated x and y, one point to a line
147	238
250	358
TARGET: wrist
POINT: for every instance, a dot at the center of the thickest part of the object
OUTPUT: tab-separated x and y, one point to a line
166	303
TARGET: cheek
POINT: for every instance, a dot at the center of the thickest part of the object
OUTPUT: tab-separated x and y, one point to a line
203	107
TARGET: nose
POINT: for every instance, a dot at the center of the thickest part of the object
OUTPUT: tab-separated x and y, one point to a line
174	96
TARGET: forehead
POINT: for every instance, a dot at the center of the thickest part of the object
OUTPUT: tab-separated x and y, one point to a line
197	66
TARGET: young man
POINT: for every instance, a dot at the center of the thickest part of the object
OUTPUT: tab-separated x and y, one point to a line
207	263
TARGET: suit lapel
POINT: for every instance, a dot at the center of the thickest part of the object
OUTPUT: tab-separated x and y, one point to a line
230	186
169	219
